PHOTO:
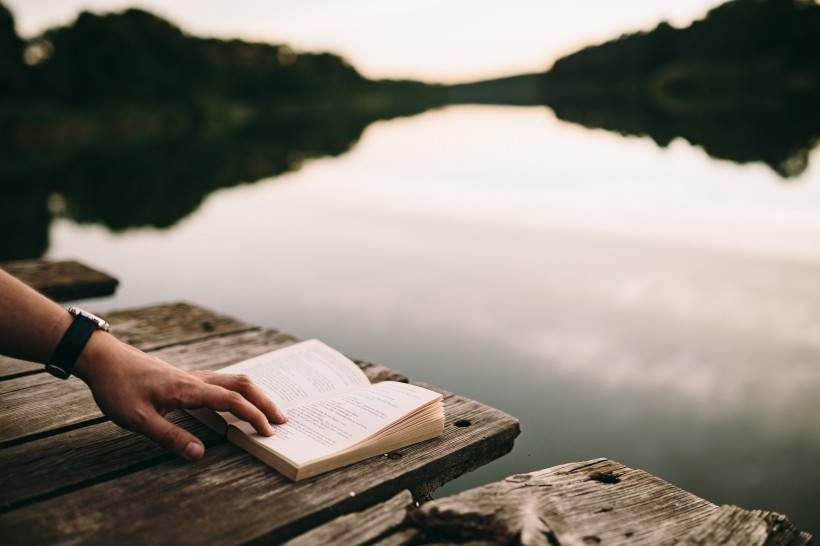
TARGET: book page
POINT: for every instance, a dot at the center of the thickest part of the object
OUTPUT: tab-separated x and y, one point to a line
321	428
301	372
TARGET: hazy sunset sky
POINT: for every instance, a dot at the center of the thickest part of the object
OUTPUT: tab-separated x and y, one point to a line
432	40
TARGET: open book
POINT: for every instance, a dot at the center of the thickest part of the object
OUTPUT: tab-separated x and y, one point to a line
335	416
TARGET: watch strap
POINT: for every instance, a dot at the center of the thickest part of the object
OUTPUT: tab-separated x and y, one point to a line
71	345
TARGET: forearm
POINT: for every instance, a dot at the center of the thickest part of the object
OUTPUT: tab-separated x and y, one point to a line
31	325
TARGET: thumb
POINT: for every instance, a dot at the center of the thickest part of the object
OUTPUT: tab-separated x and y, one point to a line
173	438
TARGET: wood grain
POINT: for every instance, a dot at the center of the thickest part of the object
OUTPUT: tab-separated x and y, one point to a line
595	502
733	526
359	527
62	280
35	470
157	326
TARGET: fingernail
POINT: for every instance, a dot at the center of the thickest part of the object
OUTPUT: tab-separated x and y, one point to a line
282	417
193	451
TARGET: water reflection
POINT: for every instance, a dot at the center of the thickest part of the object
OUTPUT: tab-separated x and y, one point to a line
781	134
154	180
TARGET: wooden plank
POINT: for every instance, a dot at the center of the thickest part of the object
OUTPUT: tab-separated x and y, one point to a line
595	502
157	326
150	328
262	505
36	470
360	527
12	367
62	280
35	404
733	526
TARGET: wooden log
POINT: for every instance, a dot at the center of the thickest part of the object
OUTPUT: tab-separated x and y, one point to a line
245	500
150	328
733	526
62	280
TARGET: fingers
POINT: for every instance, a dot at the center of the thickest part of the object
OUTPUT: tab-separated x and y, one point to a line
222	399
173	438
253	394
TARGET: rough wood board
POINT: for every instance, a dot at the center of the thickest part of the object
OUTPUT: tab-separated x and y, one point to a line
63	280
595	502
42	468
150	328
359	527
733	526
158	326
230	497
12	367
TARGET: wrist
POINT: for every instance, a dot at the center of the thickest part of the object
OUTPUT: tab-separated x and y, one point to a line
74	342
94	356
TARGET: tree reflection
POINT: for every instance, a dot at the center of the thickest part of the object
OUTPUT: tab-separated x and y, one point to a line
157	179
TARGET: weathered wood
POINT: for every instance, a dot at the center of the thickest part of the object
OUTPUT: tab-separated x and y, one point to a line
35	404
12	367
359	527
158	326
594	502
150	328
733	526
62	280
41	468
406	537
262	504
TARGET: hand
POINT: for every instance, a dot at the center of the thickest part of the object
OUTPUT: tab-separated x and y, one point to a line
136	390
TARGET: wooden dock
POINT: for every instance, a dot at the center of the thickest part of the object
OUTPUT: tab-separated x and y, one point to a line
72	477
62	280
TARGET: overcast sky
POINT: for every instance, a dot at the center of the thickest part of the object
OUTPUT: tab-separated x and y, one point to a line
432	40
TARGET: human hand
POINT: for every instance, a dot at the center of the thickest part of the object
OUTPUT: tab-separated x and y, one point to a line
136	390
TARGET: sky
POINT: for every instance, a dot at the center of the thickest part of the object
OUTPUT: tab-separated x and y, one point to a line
445	41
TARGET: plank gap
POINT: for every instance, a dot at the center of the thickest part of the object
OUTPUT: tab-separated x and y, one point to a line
22	374
52	432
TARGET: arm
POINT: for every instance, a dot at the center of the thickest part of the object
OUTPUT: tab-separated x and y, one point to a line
133	389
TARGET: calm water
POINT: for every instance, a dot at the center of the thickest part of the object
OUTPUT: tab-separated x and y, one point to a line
653	306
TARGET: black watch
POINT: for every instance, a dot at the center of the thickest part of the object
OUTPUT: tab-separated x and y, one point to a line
73	342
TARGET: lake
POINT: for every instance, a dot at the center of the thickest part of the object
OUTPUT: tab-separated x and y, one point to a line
650	305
